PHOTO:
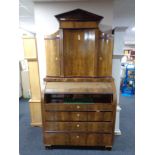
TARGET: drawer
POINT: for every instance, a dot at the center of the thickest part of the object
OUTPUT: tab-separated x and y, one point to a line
65	107
78	139
99	140
56	139
104	127
65	116
100	116
100	107
66	126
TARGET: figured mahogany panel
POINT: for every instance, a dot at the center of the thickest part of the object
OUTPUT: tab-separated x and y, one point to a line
56	139
78	139
79	88
52	56
78	79
106	139
93	140
100	116
66	116
99	140
100	107
66	126
75	25
105	127
105	56
65	107
79	52
101	127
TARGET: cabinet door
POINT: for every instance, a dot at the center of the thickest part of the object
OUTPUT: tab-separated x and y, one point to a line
52	57
79	52
105	56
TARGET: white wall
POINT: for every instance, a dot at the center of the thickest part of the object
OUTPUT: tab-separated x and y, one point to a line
46	23
124	15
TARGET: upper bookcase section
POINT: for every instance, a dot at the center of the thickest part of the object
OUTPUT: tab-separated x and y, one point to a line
78	15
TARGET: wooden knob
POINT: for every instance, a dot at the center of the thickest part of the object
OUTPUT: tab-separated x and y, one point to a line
56	58
78	125
78	115
100	58
77	136
78	37
78	107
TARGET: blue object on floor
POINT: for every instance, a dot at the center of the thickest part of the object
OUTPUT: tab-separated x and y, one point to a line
31	142
128	87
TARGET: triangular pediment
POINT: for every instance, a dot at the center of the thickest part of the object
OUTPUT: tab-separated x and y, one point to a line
78	15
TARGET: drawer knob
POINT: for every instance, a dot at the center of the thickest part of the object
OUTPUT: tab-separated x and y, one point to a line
77	137
100	58
78	125
56	58
78	115
78	107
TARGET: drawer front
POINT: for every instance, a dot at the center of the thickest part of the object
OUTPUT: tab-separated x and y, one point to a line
78	107
100	116
66	126
65	107
65	116
104	127
100	107
99	140
78	139
56	139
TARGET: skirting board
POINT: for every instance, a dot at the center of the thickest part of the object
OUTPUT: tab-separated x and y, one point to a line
117	132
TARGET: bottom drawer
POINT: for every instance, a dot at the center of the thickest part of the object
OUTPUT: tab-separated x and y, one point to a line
78	139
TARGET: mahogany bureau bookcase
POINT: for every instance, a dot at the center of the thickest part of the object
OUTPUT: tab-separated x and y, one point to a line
79	98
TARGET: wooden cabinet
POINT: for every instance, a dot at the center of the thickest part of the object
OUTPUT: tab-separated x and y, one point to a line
52	56
82	117
105	55
30	53
79	99
79	48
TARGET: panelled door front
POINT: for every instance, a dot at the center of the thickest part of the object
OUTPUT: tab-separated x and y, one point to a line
79	52
52	57
105	56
